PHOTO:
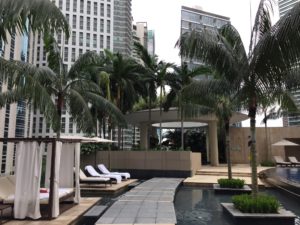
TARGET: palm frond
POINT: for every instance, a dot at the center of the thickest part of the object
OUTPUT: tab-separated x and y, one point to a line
37	15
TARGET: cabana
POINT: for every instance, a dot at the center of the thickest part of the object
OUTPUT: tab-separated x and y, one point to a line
26	198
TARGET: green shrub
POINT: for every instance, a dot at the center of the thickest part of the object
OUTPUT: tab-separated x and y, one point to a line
231	183
261	204
267	164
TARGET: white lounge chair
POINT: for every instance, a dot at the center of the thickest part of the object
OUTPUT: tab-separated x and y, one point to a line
104	170
294	160
93	173
93	180
280	162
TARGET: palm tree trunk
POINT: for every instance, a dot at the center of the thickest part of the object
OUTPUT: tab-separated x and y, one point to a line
160	116
182	130
253	153
267	138
119	128
227	148
59	107
149	123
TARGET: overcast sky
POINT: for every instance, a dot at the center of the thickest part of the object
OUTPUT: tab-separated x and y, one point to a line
163	16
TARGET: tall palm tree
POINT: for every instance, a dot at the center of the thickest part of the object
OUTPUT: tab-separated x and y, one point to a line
50	88
218	96
157	76
23	16
183	77
125	82
274	52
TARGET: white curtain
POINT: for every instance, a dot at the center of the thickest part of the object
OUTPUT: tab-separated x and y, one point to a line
28	175
66	177
77	165
55	207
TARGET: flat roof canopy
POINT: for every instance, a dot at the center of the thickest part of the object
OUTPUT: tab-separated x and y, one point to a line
172	115
173	125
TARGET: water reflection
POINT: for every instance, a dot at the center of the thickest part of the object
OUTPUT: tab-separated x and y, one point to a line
195	206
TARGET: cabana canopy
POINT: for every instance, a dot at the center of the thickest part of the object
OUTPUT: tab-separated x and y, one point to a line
285	142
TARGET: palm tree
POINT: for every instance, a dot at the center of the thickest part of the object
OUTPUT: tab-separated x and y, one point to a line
274	52
156	76
217	96
183	77
125	82
22	16
49	89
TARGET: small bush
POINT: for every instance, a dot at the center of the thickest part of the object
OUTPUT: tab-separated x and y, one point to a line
261	204
267	164
231	183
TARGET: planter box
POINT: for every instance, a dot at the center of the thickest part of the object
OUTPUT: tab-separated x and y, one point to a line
284	217
218	189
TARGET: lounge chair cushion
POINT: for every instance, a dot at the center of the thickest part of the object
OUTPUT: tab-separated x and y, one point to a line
294	160
104	170
84	178
92	172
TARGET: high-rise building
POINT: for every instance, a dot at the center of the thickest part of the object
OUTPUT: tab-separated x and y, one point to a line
293	119
14	118
94	25
122	35
151	42
197	19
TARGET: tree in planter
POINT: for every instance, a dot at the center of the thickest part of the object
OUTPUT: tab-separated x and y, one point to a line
274	53
50	88
219	97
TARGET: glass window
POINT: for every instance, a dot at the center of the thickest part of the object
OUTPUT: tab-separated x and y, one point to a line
70	125
73	57
101	41
108	26
95	8
41	125
81	6
73	38
63	125
74	5
108	10
102	25
47	127
60	3
95	24
88	23
88	8
67	5
59	37
102	9
80	39
74	21
80	52
108	42
81	22
88	37
33	124
66	54
94	40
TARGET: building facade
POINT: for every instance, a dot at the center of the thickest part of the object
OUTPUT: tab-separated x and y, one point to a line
151	42
197	19
293	119
122	35
93	28
14	118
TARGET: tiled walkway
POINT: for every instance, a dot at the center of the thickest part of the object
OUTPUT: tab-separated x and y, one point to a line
149	203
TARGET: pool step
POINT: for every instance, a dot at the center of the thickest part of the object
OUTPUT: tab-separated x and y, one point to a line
222	173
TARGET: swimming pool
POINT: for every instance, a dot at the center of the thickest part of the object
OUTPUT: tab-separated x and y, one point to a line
290	174
198	206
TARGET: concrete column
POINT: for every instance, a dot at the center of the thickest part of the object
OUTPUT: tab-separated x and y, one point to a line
144	136
213	143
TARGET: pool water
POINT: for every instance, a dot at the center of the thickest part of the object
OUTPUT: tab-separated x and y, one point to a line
198	206
291	174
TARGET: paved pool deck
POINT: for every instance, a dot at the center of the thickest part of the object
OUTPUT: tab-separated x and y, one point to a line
209	175
149	203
